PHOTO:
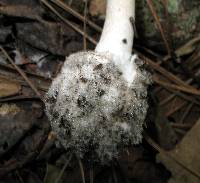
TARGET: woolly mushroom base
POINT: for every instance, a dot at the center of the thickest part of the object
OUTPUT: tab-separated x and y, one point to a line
93	110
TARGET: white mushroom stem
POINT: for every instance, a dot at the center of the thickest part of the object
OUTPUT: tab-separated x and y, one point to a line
118	33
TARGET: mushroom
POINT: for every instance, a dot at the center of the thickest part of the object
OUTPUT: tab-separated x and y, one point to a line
98	103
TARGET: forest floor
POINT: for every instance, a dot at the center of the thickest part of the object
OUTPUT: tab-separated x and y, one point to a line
35	38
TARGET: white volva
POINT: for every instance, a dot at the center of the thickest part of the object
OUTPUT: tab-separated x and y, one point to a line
97	104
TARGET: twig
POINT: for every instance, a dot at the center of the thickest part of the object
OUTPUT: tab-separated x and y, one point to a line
186	112
63	169
176	87
69	23
48	145
153	11
81	169
166	73
168	99
174	94
180	131
76	14
9	72
176	108
181	126
18	98
169	28
84	26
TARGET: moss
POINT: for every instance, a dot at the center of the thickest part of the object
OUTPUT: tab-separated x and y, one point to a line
145	16
184	16
189	23
173	6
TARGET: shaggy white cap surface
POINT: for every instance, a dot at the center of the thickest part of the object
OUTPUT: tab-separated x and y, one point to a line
93	110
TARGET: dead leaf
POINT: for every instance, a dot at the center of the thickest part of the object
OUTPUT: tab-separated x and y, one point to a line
97	7
15	123
189	47
8	87
10	110
187	152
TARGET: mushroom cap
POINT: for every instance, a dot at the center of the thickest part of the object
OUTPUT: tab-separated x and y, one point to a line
93	110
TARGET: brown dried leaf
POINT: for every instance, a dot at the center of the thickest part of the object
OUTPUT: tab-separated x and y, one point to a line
23	11
8	87
97	7
189	47
186	152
